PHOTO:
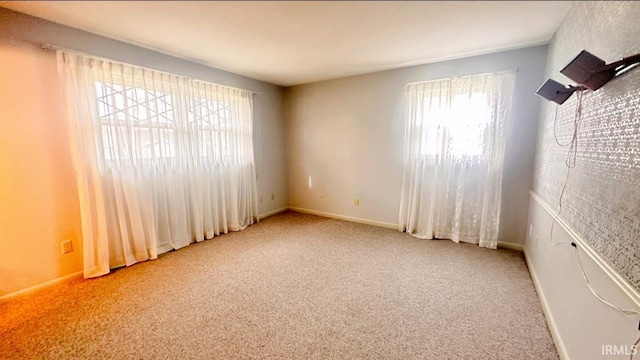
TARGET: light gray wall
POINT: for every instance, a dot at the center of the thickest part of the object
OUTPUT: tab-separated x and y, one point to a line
348	135
601	202
38	197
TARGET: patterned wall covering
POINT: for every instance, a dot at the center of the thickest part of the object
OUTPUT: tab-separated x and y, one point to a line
602	199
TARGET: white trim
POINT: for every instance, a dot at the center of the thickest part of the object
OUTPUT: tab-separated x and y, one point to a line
272	212
344	217
32	289
546	309
511	246
593	254
503	245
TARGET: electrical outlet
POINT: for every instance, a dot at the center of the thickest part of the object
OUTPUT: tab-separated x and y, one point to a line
66	246
530	230
356	201
273	196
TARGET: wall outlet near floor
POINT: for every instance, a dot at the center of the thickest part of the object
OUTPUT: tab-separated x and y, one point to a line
356	201
66	246
273	196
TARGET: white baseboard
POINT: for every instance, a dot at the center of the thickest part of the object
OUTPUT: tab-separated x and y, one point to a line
593	254
32	289
344	217
553	328
272	212
511	246
504	245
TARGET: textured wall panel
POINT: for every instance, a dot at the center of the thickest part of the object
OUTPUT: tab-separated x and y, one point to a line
602	198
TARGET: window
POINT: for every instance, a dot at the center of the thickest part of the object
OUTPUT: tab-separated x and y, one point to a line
210	121
455	136
161	160
138	122
459	125
154	127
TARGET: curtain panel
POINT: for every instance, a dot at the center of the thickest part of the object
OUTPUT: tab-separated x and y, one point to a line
455	135
161	160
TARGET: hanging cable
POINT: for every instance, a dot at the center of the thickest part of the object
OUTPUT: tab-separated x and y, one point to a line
634	349
570	162
603	300
555	122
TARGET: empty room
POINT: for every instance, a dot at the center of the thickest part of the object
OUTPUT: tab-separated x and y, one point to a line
320	180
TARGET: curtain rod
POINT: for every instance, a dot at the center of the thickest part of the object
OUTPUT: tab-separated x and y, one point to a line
47	46
515	70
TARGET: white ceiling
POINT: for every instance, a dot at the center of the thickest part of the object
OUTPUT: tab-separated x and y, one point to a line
289	43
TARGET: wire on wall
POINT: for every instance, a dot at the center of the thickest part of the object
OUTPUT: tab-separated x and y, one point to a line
603	300
634	348
570	163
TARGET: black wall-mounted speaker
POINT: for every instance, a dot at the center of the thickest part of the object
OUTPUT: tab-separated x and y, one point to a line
556	92
588	70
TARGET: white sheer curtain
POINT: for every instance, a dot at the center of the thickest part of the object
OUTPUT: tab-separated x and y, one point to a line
453	158
161	160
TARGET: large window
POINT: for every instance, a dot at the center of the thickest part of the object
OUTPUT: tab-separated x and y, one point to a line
455	138
139	123
161	160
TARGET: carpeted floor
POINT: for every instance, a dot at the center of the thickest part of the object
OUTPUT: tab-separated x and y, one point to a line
293	286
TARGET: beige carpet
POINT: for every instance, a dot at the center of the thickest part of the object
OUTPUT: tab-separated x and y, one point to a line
293	286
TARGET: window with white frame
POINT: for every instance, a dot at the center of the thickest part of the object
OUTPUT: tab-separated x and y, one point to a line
141	124
459	124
